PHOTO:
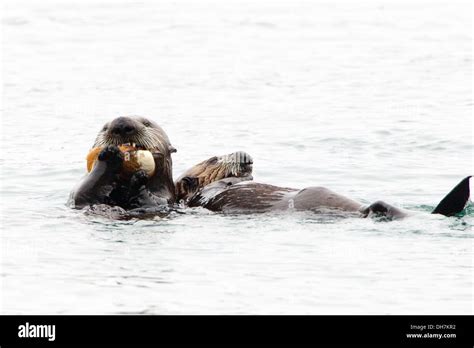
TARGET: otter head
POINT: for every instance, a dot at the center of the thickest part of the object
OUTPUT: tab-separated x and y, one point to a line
237	164
143	134
140	131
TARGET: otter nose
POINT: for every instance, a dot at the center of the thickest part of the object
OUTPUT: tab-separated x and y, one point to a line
123	126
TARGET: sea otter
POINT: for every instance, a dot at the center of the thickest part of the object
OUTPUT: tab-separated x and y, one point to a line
105	186
237	165
202	186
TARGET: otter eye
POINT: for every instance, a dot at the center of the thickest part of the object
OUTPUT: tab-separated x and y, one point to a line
104	128
146	123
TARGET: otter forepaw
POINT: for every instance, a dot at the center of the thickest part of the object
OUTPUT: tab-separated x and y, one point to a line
140	196
110	153
139	179
243	157
190	183
243	164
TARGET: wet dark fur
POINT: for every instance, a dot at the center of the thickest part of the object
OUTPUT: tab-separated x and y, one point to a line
239	195
237	164
242	198
105	185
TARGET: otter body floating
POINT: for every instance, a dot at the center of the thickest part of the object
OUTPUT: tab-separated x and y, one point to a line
210	184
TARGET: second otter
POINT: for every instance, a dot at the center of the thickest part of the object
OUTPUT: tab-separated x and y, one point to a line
238	194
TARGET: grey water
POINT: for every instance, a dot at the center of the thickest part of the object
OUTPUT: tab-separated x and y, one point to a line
372	99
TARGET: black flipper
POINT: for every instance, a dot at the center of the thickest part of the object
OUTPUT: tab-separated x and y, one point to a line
455	201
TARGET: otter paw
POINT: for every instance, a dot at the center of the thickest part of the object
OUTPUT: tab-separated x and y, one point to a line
190	183
139	179
243	164
111	154
243	157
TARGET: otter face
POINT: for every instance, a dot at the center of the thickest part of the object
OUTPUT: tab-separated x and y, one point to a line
137	131
143	134
238	164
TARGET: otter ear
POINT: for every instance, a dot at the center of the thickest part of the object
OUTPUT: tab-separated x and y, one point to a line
172	149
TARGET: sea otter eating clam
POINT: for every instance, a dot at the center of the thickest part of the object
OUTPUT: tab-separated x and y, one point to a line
129	166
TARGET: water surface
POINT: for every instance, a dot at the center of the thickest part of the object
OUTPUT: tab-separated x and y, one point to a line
371	99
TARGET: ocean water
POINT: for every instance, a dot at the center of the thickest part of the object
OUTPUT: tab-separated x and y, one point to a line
371	99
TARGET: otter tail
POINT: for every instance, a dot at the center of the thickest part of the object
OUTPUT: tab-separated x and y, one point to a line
455	201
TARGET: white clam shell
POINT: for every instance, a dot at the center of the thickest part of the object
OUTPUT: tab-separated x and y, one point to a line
146	161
